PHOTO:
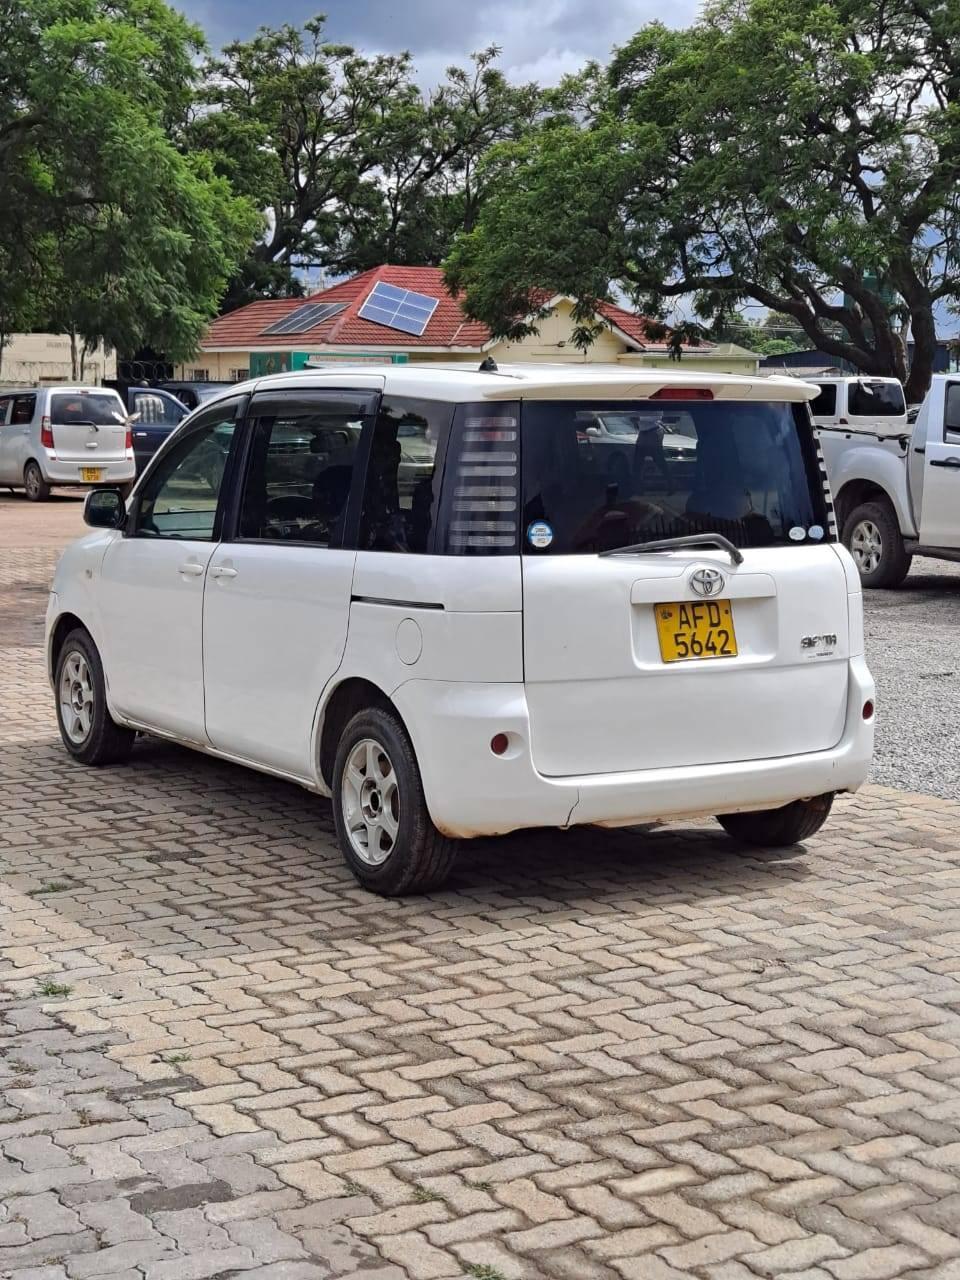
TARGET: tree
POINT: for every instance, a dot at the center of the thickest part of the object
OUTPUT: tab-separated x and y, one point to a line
352	163
799	153
107	230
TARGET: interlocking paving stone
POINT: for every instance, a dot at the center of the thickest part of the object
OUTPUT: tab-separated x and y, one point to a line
638	1054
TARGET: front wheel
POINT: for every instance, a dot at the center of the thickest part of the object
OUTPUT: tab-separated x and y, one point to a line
384	830
778	828
871	534
86	727
37	489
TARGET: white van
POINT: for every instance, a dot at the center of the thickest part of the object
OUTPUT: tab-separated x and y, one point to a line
64	436
420	592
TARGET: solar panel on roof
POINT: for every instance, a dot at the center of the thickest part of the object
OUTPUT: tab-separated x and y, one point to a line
305	317
398	308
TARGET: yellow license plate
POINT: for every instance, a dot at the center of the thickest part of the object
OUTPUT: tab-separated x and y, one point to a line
90	474
701	629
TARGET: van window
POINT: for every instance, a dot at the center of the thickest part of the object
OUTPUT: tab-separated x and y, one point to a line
748	471
400	492
180	496
300	470
480	502
875	399
102	408
824	405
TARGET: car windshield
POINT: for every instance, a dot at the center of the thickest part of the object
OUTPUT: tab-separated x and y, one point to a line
749	473
102	408
876	399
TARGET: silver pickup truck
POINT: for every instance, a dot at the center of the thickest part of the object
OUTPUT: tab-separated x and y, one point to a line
898	495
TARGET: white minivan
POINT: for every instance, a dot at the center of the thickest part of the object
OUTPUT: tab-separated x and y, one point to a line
419	591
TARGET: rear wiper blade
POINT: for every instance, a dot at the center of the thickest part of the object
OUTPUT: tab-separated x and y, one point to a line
671	544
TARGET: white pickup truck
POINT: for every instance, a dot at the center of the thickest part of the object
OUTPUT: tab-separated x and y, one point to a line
897	488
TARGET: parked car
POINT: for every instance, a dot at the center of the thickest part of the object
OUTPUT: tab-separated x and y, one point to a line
511	644
63	435
667	440
873	404
155	413
193	394
898	496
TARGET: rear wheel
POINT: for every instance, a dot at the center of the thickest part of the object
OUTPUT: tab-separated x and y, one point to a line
384	830
86	727
872	535
36	487
777	828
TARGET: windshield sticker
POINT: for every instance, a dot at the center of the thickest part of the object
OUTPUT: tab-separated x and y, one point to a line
539	534
797	534
815	532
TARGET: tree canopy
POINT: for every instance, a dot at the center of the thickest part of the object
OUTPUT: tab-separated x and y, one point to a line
107	229
353	164
800	154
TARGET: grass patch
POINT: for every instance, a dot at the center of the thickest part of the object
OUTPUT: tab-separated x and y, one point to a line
354	1189
51	988
423	1195
54	886
174	1059
483	1271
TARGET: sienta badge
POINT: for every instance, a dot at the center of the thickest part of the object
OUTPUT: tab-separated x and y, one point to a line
539	534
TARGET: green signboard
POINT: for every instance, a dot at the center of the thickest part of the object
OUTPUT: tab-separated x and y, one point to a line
265	363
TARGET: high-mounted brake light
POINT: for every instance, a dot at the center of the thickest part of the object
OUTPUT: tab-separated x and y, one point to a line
46	433
683	393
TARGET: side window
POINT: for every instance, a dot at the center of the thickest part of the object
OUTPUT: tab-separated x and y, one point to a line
401	489
301	466
22	413
824	405
4	409
951	417
179	498
480	503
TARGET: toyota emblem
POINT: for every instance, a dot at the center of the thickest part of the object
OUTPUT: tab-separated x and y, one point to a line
707	582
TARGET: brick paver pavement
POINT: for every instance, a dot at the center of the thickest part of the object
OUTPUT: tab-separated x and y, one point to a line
631	1055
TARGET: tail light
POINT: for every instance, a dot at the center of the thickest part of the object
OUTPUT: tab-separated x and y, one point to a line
128	438
682	393
46	433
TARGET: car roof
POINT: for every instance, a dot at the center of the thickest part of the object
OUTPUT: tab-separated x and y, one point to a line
453	382
68	388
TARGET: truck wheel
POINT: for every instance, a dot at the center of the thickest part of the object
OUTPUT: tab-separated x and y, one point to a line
384	830
777	828
36	487
872	536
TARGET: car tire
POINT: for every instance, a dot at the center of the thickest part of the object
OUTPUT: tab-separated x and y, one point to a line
35	487
779	828
384	830
871	533
88	731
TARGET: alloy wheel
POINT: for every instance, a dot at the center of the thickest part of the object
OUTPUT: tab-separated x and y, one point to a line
31	481
370	798
76	697
866	546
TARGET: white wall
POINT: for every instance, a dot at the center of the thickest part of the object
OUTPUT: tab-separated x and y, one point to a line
28	358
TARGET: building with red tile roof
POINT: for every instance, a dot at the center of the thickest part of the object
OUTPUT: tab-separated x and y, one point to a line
344	324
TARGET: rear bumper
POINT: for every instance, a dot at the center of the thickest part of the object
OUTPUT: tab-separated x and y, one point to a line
58	472
472	792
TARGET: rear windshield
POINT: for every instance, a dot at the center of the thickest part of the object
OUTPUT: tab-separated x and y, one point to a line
85	407
748	471
876	399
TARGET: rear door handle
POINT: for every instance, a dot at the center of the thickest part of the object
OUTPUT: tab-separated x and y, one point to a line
191	569
221	571
952	463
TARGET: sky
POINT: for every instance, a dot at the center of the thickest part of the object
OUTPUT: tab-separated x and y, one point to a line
541	40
